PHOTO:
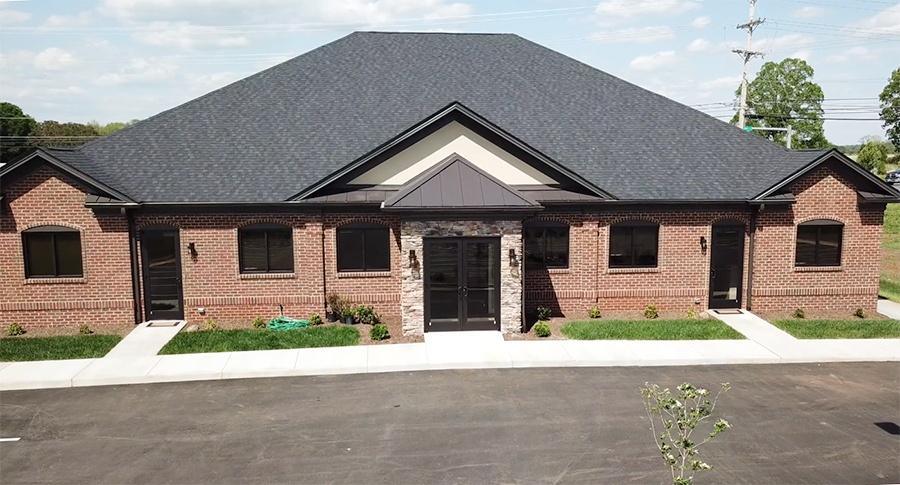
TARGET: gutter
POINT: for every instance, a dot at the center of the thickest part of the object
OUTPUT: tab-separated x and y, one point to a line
135	269
753	215
324	278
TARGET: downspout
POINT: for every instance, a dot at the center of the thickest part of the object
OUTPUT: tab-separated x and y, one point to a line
754	211
135	268
324	281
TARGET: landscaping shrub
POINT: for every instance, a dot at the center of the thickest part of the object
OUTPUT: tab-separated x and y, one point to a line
379	331
651	312
315	319
692	313
339	306
799	313
365	314
85	330
210	325
542	329
14	329
594	312
859	313
258	322
543	313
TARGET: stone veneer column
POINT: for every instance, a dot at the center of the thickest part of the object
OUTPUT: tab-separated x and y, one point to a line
412	296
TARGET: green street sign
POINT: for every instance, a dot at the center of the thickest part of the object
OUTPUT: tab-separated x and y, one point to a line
748	128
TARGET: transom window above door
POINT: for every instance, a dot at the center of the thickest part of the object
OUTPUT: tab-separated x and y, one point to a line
819	243
634	244
546	245
52	252
363	247
266	248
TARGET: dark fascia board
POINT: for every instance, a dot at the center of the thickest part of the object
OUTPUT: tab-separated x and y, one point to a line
68	170
439	167
464	210
451	109
832	154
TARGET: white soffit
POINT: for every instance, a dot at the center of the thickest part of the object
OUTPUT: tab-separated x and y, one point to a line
453	138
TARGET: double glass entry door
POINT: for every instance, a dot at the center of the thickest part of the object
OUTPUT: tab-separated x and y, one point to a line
462	284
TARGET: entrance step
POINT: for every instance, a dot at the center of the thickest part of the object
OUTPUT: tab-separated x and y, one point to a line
467	350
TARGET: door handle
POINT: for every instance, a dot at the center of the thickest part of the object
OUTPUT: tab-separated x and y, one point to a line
463	291
712	274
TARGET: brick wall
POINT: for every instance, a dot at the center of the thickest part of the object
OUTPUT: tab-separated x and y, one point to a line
780	287
212	280
102	296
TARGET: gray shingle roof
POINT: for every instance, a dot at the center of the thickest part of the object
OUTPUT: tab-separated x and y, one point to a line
273	134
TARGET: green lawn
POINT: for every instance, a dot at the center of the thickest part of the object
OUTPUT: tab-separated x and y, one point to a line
687	329
890	259
56	348
859	328
261	339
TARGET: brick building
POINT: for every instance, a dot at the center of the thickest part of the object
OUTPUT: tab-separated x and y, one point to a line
453	181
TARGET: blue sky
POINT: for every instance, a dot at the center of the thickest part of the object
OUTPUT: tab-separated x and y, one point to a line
115	60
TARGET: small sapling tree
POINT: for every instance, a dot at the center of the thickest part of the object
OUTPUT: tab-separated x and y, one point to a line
679	416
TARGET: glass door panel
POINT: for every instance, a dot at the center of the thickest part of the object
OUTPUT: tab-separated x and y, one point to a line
162	275
481	286
443	284
726	267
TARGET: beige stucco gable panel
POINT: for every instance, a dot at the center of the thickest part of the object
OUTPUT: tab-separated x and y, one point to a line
453	138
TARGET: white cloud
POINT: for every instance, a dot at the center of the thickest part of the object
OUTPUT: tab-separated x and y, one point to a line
9	16
210	82
55	22
139	70
701	22
809	12
53	59
886	21
803	54
860	53
640	35
653	62
783	43
719	83
631	9
699	45
309	14
188	36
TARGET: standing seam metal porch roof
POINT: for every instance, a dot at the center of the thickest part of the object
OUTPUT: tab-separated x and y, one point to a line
277	132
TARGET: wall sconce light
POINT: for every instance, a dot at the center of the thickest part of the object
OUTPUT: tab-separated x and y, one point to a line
413	260
192	248
513	260
703	243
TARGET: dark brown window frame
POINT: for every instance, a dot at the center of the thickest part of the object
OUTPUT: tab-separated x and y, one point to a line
368	231
543	226
631	225
54	232
266	229
818	225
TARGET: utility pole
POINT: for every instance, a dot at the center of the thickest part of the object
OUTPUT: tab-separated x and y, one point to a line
747	54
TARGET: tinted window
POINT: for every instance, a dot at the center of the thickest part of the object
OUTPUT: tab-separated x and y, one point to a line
266	249
52	254
363	247
819	243
634	245
546	246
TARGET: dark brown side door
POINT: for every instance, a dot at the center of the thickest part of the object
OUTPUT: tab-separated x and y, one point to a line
726	266
161	258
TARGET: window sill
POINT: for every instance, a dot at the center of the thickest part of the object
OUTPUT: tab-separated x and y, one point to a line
632	270
55	281
266	276
818	269
548	271
363	274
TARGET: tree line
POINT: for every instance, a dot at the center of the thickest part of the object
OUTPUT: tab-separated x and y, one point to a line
20	132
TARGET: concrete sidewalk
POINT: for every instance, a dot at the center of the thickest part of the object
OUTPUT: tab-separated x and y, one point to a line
469	350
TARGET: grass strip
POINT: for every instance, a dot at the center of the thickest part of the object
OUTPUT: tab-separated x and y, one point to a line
17	349
685	329
261	339
825	329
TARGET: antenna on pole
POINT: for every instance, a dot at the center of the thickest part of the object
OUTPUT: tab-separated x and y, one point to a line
747	54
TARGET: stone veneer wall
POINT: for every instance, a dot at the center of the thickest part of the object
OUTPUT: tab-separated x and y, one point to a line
412	296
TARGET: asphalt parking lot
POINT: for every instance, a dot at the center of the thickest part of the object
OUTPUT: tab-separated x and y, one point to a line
805	423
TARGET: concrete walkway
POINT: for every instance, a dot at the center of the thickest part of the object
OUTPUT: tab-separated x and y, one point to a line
146	339
468	350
